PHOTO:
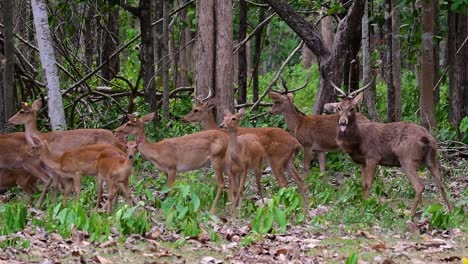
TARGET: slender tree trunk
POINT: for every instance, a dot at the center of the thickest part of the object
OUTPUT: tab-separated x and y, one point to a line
354	65
224	57
183	55
463	61
9	67
165	61
242	54
436	52
455	91
257	55
396	61
391	98
158	35
146	54
369	94
3	119
205	48
428	119
89	36
111	43
46	51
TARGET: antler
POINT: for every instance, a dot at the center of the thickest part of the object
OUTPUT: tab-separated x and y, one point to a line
352	94
337	88
201	100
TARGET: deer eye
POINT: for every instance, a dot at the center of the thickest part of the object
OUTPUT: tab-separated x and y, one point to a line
21	111
195	110
339	108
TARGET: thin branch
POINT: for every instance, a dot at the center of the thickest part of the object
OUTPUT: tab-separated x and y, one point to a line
278	74
254	32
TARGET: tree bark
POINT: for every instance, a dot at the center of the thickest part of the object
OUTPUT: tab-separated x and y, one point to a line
111	43
331	63
224	57
9	61
455	91
391	107
369	94
205	48
46	51
396	61
165	61
428	119
183	55
436	52
462	60
257	55
242	55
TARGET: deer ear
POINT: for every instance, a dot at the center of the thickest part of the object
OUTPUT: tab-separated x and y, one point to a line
36	105
147	117
34	141
241	113
358	99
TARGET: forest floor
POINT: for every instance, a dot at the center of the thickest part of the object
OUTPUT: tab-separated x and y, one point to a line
338	236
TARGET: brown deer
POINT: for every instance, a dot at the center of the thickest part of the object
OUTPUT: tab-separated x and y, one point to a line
59	141
72	164
180	154
399	144
15	157
244	153
280	146
115	167
314	132
19	177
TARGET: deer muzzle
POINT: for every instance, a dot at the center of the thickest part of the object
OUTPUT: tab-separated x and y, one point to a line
342	122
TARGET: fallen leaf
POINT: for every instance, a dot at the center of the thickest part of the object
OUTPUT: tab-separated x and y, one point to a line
103	260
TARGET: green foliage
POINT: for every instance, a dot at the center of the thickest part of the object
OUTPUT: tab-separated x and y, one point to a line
131	220
287	204
182	210
464	129
352	259
439	218
13	217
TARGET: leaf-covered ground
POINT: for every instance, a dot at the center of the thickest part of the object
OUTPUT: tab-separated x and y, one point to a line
336	225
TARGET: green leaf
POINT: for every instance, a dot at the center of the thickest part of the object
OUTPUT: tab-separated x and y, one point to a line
195	202
352	259
280	218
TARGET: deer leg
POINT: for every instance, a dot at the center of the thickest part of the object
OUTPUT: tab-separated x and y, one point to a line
77	184
322	160
292	171
278	170
171	174
99	181
124	186
307	159
368	177
258	179
112	194
241	186
433	167
218	166
410	170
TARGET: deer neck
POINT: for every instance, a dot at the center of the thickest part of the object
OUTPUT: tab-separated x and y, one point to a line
292	117
209	123
49	160
30	128
232	143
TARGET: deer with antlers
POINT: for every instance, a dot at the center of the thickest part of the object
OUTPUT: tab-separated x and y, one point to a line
399	144
280	146
180	154
314	132
244	153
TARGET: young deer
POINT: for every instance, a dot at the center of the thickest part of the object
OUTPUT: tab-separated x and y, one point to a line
115	167
15	157
180	154
244	153
314	132
59	141
280	146
399	144
72	164
19	177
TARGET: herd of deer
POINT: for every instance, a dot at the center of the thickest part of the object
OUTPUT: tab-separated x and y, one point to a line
61	158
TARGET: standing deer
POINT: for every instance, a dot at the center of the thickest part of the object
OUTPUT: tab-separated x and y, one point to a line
59	141
180	154
399	144
115	167
314	132
280	146
244	153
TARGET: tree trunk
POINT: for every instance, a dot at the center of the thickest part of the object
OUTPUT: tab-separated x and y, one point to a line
205	48
165	62
391	102
427	67
46	51
369	94
89	36
396	61
183	55
354	65
257	55
224	58
462	64
436	52
111	43
242	54
9	66
158	36
455	90
308	57
3	120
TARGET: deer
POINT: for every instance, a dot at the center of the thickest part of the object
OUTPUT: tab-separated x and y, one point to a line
279	145
19	177
180	154
15	158
115	168
244	153
71	165
59	141
314	132
398	144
